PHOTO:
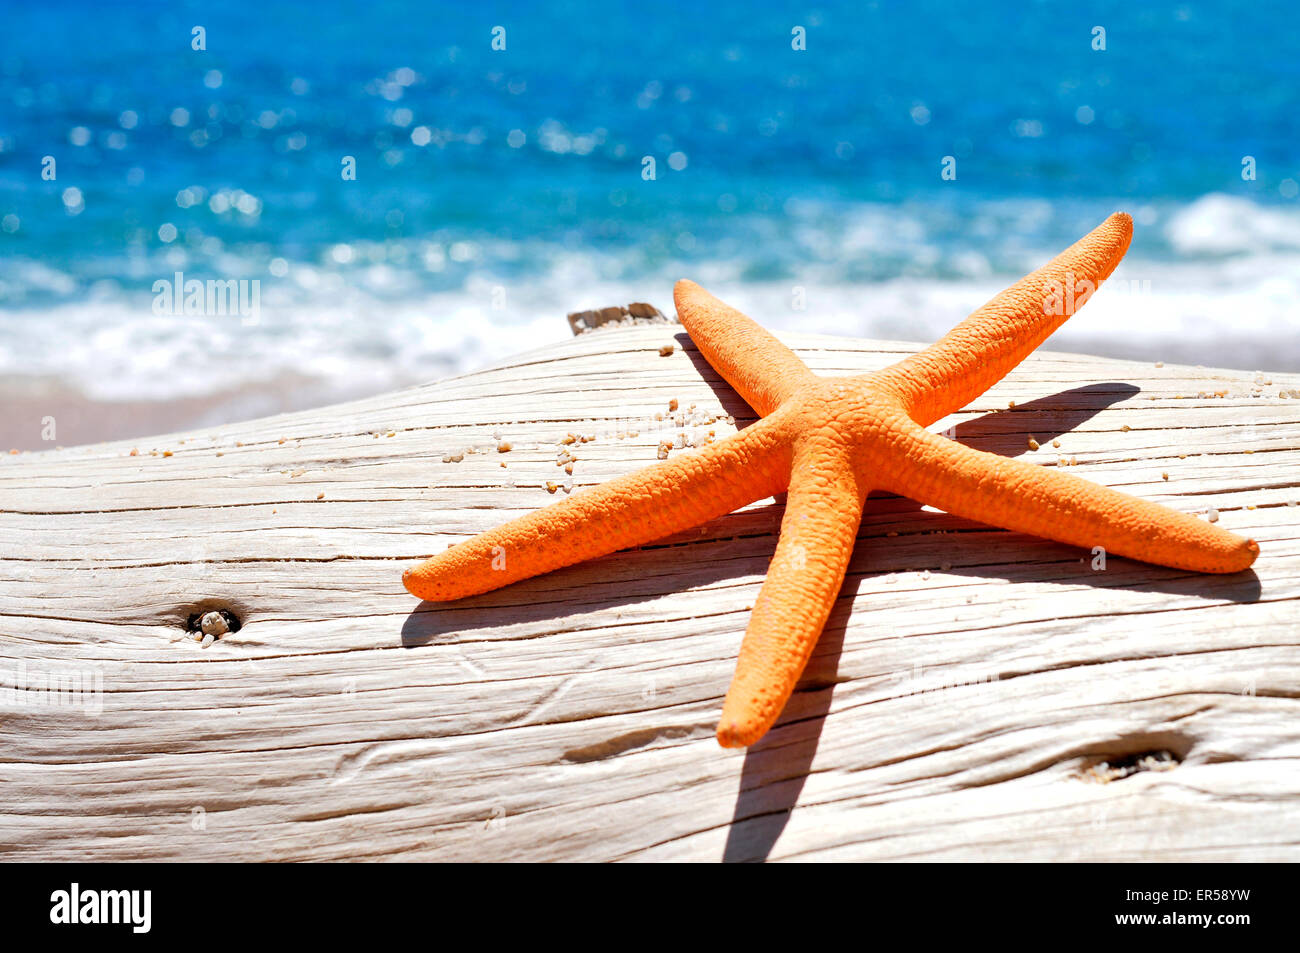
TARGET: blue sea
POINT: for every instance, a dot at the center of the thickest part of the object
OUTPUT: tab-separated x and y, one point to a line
497	189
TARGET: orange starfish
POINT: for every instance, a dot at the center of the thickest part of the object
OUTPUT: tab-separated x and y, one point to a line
828	441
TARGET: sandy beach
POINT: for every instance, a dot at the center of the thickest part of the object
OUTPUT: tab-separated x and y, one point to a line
31	404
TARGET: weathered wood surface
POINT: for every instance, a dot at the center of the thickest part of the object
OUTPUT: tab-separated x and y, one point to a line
968	684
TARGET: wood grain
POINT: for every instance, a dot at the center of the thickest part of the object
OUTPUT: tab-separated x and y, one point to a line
960	705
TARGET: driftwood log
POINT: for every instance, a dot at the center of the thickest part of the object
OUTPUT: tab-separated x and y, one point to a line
977	694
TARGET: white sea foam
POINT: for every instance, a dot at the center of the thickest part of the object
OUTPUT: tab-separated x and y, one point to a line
1219	288
1219	224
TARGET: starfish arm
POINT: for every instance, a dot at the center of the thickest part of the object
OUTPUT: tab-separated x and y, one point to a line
761	369
823	509
983	349
629	511
1032	499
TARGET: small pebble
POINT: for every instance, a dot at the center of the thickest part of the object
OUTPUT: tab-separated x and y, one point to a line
672	404
1056	443
1213	515
1033	444
505	446
213	624
666	350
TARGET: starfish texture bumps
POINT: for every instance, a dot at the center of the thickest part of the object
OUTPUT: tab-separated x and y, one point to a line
828	441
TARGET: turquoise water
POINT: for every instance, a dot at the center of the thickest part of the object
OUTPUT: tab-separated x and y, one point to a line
498	189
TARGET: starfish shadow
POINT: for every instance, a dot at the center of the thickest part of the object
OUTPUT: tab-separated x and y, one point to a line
732	403
775	769
1006	432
